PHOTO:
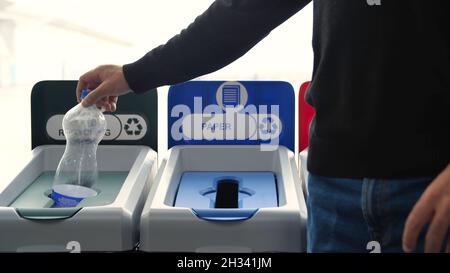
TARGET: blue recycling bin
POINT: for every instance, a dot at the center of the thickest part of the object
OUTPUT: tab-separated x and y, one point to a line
229	182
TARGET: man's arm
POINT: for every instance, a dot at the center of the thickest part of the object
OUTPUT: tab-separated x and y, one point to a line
223	33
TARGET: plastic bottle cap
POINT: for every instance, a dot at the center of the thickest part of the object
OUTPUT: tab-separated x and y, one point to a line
84	93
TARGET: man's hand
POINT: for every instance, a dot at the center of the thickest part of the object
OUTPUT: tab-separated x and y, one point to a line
107	82
433	207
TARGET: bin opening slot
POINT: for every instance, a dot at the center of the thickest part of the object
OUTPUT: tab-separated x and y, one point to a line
227	194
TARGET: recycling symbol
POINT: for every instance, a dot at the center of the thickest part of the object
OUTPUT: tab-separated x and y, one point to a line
133	127
269	127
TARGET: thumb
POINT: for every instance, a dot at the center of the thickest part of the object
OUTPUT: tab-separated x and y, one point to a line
95	95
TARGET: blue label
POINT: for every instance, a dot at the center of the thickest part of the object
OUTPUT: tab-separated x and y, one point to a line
232	113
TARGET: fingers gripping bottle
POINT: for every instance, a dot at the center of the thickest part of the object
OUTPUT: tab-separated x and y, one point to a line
84	128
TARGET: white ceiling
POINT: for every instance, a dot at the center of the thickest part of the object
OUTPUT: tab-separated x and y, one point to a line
132	27
107	19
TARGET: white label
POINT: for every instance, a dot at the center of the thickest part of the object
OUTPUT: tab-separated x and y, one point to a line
237	123
119	127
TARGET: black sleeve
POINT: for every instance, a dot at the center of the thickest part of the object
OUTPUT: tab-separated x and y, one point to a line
223	33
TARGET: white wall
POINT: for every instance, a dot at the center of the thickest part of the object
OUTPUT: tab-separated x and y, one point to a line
61	39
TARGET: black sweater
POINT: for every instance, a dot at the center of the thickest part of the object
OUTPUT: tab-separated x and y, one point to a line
381	79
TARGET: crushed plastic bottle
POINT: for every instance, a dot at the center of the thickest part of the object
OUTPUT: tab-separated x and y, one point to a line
84	128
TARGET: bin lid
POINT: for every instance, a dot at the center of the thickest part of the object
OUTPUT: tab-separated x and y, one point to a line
232	113
133	123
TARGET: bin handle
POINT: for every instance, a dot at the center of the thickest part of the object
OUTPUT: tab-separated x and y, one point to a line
224	214
47	213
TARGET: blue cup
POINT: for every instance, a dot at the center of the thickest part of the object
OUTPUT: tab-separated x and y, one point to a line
68	195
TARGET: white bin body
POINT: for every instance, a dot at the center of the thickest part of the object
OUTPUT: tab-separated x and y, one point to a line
177	229
110	227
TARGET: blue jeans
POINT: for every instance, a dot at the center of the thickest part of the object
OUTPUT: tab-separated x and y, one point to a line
344	215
